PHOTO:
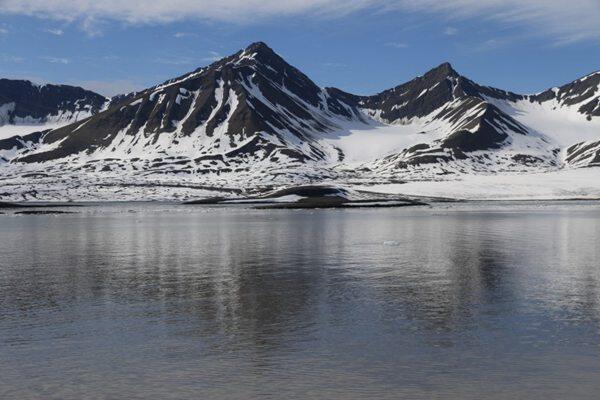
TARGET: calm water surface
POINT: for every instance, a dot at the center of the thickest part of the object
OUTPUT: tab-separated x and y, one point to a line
472	301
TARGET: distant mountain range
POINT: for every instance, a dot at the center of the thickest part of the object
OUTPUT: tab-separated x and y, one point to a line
27	111
253	119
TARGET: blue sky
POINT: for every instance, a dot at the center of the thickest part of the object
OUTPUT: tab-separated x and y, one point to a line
362	46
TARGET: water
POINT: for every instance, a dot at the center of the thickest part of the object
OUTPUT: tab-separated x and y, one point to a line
472	301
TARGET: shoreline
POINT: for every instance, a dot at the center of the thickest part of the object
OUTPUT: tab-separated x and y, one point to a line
85	204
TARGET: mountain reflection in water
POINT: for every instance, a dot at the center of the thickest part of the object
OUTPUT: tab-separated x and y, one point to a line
492	301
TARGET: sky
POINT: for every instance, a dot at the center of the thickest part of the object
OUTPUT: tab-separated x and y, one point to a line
361	46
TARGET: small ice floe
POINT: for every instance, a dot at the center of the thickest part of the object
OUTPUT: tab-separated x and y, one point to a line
391	243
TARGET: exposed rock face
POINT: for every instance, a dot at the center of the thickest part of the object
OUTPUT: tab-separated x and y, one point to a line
585	154
428	93
17	144
584	94
23	101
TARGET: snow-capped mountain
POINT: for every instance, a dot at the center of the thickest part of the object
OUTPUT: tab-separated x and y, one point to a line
245	108
26	105
26	109
252	119
450	119
582	95
458	125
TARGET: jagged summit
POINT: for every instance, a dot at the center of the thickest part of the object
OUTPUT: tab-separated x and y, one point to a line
255	53
444	70
259	47
418	97
261	53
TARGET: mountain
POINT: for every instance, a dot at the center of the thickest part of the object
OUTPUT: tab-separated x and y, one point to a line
23	103
454	119
582	94
252	105
26	109
466	127
252	119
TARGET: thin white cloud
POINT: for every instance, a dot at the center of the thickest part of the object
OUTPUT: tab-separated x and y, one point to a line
450	31
212	57
181	35
56	60
173	60
563	20
92	26
3	31
492	44
55	32
335	65
398	45
9	58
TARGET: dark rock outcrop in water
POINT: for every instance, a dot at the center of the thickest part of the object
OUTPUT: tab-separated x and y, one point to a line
48	208
8	205
311	197
43	212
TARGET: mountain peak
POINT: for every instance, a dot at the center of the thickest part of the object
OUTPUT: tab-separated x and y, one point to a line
259	47
443	70
260	51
